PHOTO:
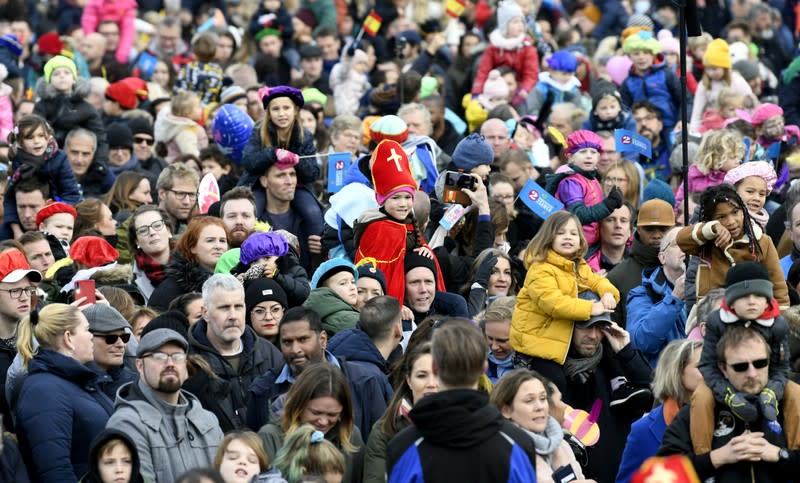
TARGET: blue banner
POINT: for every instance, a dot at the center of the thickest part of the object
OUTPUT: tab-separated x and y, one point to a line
539	200
337	165
631	142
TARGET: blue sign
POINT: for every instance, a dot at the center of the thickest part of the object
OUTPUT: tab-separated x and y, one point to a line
539	200
337	165
631	142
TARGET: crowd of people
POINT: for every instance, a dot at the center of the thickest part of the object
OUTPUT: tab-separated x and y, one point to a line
394	241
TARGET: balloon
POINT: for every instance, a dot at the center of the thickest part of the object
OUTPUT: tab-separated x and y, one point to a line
231	131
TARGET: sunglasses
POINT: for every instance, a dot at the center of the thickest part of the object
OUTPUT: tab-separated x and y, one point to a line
743	366
111	339
140	140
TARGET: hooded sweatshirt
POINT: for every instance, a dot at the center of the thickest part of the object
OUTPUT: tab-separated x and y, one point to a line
94	456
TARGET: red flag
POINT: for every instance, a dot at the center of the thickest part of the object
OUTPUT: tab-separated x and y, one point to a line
372	24
454	8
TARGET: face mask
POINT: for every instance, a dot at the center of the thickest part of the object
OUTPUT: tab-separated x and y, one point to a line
766	34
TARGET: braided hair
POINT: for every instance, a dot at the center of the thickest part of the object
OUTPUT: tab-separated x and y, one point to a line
725	193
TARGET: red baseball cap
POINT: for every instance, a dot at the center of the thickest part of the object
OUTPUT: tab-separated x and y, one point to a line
14	267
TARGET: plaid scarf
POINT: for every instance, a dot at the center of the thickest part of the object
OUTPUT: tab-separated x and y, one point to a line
152	269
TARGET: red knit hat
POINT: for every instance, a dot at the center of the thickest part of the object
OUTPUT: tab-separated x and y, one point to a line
50	44
123	93
93	251
54	208
671	469
391	171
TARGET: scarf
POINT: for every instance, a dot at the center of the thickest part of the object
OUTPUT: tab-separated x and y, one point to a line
766	319
761	217
611	124
548	442
152	269
498	368
581	368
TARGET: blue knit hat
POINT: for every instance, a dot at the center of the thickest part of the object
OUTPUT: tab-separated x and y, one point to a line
368	270
563	61
11	42
657	189
231	131
260	244
331	268
472	151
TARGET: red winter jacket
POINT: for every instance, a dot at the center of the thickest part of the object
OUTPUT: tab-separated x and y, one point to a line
521	56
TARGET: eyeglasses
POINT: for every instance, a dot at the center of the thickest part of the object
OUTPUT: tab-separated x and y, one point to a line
156	226
16	293
642	119
111	339
503	197
261	313
615	180
182	195
163	356
140	140
743	366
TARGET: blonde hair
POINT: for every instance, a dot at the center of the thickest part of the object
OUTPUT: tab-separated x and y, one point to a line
728	96
726	77
300	456
251	440
543	241
183	103
717	146
53	321
667	378
634	181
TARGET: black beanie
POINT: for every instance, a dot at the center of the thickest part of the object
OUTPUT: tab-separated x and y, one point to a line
414	260
368	270
264	290
747	278
140	125
173	319
119	135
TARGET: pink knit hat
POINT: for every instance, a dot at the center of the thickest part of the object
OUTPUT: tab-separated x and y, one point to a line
583	139
668	42
760	169
495	85
766	111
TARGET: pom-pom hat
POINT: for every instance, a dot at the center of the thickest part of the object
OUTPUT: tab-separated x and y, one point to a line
747	278
642	40
583	139
391	171
57	62
495	86
92	251
50	44
123	94
760	169
54	208
270	93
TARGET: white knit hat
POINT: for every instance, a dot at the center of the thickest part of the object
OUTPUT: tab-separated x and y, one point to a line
507	10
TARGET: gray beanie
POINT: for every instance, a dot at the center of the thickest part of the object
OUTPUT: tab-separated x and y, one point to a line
506	11
747	68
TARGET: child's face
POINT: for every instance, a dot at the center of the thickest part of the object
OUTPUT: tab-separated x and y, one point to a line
511	81
515	27
308	121
282	112
35	142
197	111
586	159
731	217
272	5
360	67
715	73
731	161
211	166
607	108
60	225
568	239
773	127
399	205
239	462
561	76
728	110
333	477
753	191
344	285
750	307
642	60
116	464
160	74
62	80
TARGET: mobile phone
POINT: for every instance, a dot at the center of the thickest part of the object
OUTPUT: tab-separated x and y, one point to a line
86	288
564	474
454	182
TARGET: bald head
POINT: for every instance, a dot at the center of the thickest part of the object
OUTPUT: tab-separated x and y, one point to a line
93	46
496	134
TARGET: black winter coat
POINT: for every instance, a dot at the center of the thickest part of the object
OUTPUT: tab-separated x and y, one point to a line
182	277
97	181
256	158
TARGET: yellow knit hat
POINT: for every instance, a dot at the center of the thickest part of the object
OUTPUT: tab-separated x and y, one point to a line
717	54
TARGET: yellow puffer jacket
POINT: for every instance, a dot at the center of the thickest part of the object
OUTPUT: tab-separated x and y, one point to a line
548	306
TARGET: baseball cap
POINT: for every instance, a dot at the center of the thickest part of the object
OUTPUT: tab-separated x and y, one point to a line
595	319
153	341
104	318
656	212
14	267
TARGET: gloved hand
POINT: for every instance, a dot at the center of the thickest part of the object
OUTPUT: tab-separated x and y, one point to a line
769	404
351	49
485	271
741	407
286	159
614	199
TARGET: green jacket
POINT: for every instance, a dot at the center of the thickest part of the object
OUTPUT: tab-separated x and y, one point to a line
336	314
375	451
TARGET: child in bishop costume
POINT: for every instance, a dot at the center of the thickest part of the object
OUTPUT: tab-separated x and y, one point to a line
388	233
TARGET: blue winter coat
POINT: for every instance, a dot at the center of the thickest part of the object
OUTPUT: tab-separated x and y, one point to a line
659	86
643	442
655	317
59	412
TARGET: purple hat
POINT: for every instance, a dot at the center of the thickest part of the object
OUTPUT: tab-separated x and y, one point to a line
260	244
269	93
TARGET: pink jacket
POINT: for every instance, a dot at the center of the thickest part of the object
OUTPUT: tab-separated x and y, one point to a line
699	182
6	114
122	12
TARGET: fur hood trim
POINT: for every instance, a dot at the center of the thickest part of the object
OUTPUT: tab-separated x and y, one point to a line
80	90
189	277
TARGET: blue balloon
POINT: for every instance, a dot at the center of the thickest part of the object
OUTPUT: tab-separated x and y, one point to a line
231	130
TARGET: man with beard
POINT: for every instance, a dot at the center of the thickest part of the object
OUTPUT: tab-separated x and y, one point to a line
765	37
654	221
656	311
177	194
726	448
302	342
233	351
615	231
649	125
444	133
171	430
238	211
